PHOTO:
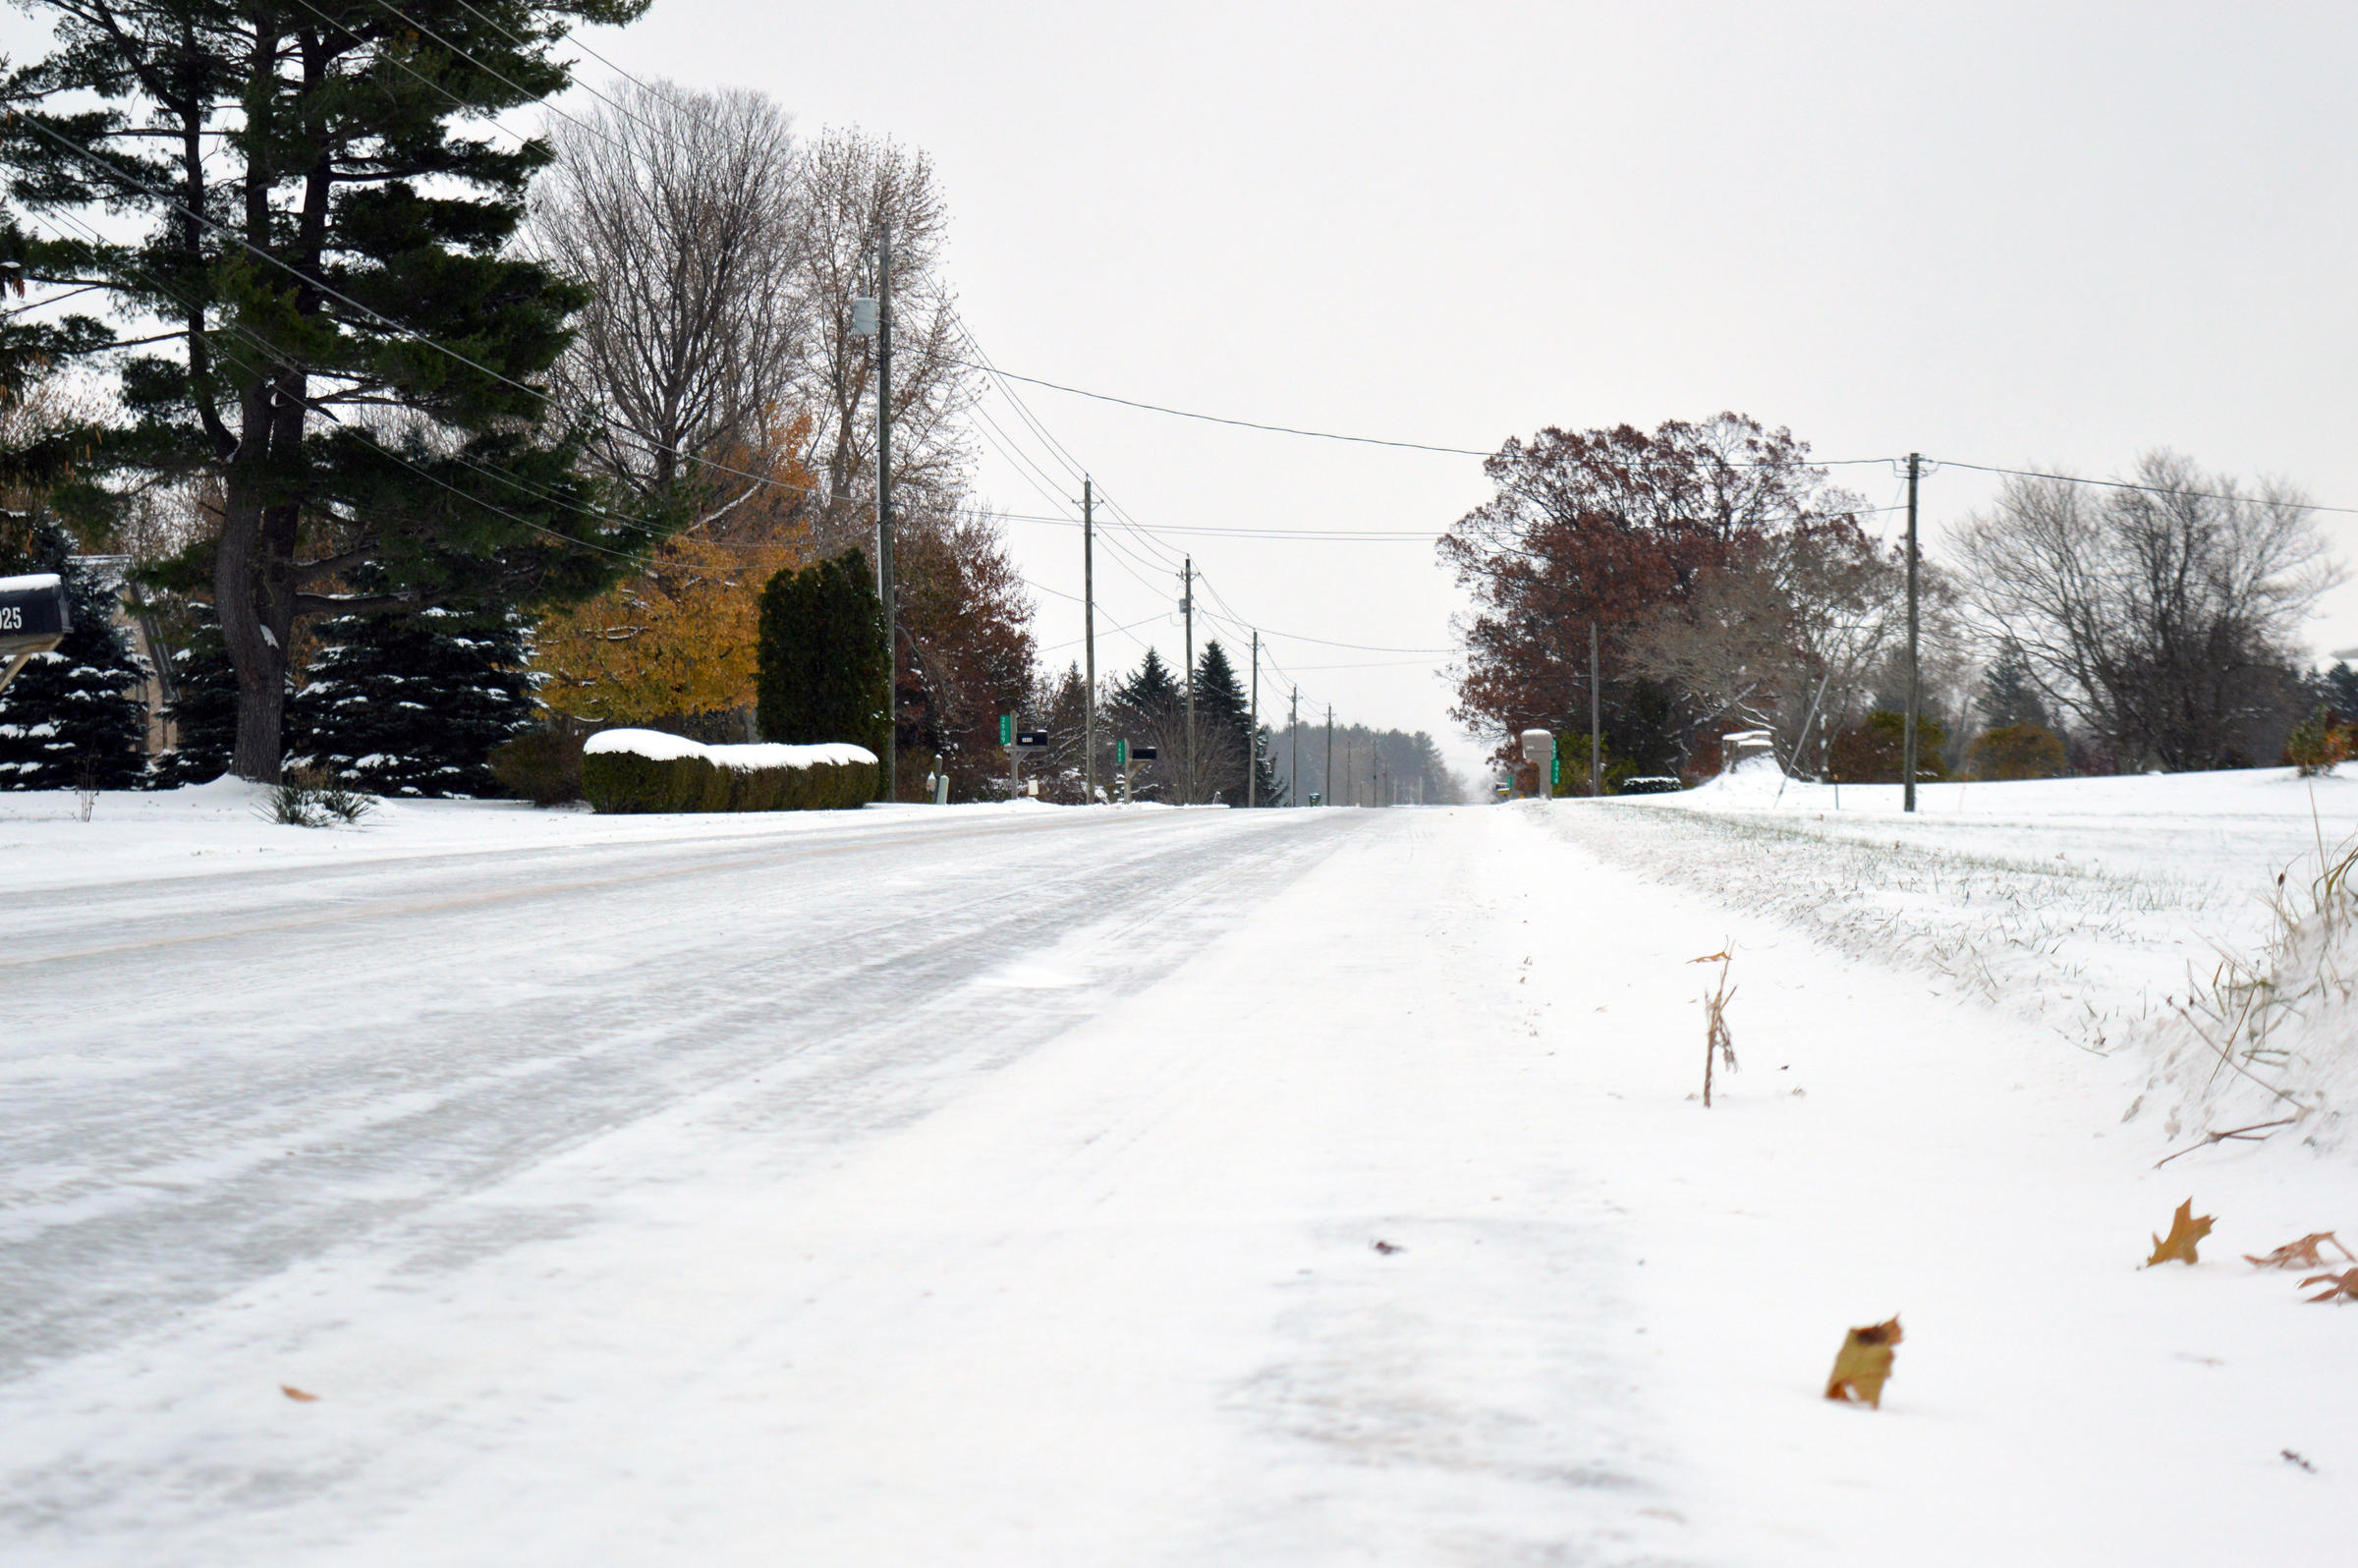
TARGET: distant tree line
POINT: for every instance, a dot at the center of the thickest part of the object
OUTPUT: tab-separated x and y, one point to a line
1732	585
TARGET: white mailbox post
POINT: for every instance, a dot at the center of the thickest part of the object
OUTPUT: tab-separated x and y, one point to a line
1538	749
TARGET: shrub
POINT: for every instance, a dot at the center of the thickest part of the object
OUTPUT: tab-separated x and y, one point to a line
823	669
544	769
1870	752
643	770
2317	742
1650	784
1574	748
2016	751
310	797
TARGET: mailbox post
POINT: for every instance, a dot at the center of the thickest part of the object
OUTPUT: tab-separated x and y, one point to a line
33	619
1125	753
1538	749
1021	740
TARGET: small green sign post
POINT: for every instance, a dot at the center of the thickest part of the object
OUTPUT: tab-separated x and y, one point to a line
1121	754
1555	772
1006	729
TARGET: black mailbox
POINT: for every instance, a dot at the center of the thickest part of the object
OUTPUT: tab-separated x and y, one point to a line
1141	753
1031	740
34	618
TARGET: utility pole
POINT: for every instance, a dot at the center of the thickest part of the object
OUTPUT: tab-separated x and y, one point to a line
1088	642
1327	778
1253	736
1293	730
1907	763
1187	606
885	585
1596	721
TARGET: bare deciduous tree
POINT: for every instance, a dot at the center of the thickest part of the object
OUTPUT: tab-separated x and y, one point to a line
1791	623
858	189
2159	614
685	214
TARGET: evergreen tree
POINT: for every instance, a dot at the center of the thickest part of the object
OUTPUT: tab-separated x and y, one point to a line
2008	697
325	234
1269	790
1152	695
71	718
203	712
412	704
1149	708
823	665
2337	689
1226	742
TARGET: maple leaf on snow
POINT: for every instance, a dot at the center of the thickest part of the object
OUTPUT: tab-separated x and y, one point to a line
2341	1287
2302	1253
2186	1229
1864	1364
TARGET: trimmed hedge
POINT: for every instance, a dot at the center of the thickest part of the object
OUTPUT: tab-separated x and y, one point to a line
641	770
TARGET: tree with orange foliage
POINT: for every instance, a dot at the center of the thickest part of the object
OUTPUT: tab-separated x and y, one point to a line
673	643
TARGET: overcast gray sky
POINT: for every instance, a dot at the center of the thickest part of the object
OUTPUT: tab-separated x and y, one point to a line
2010	235
2042	234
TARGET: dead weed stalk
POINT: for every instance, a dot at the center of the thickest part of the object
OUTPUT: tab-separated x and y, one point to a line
1718	1041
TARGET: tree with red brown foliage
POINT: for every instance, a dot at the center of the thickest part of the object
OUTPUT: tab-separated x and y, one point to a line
1610	525
966	650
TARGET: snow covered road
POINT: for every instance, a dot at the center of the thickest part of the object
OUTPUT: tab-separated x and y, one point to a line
1006	1188
257	1065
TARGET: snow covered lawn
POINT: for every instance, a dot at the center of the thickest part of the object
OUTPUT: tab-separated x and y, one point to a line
975	1188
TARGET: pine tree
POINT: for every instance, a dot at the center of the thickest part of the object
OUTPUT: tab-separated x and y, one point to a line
1149	708
1225	741
2337	689
72	717
2008	696
203	712
412	704
1152	696
305	201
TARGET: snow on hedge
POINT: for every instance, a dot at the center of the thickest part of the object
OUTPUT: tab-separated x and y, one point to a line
662	748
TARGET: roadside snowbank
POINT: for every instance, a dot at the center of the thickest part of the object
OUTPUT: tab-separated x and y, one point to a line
2100	908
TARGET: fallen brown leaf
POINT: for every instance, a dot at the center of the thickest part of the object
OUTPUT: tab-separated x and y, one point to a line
2184	1231
2301	1254
293	1392
2341	1287
1864	1364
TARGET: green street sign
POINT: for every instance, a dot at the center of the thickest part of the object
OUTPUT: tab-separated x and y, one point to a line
1121	754
1556	771
1006	729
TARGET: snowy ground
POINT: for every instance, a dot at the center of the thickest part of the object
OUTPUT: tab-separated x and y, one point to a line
1002	1186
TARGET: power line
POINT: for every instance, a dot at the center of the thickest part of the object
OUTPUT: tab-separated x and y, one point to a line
1214	418
2148	490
